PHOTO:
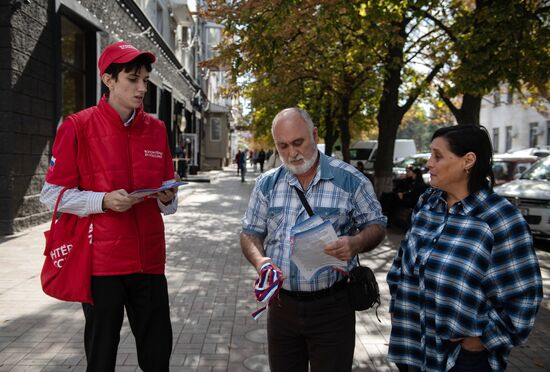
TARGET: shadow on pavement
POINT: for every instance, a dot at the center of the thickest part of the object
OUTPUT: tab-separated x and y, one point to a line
211	294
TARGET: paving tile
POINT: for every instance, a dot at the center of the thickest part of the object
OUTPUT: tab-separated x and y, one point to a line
210	286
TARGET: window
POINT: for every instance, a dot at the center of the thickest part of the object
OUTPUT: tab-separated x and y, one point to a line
159	21
510	98
508	138
150	99
495	139
533	134
215	130
213	37
73	67
183	37
496	102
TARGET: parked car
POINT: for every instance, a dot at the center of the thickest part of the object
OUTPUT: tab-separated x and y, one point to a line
416	161
538	151
365	151
531	195
507	167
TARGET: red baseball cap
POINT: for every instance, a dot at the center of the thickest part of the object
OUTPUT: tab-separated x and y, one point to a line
120	52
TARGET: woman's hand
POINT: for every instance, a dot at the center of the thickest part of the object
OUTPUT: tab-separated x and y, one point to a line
469	343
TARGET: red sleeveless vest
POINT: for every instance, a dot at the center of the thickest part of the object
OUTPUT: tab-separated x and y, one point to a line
111	157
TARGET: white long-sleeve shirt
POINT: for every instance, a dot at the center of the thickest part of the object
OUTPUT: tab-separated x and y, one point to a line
84	203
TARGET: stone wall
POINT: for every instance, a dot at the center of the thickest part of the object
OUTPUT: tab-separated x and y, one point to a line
27	111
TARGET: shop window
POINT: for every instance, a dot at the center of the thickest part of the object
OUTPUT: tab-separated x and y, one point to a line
215	130
74	57
150	99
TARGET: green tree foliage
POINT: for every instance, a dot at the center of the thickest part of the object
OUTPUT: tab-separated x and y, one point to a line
406	71
420	123
313	50
493	42
351	62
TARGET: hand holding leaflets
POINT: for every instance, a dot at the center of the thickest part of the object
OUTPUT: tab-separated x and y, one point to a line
141	193
309	239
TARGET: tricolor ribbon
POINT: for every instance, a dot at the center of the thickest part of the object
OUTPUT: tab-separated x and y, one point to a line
266	287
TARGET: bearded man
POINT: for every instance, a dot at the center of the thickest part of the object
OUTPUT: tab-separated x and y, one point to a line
312	323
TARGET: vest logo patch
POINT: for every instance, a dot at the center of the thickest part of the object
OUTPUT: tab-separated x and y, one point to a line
153	154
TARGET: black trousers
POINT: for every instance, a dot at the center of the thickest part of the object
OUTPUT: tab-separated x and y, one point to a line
320	332
467	361
145	298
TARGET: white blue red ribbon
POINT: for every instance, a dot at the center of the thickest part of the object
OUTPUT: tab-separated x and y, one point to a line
266	287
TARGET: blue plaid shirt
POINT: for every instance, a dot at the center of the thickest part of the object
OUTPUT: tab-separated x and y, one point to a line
467	271
338	193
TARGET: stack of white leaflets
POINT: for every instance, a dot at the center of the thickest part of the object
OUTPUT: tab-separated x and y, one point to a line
308	239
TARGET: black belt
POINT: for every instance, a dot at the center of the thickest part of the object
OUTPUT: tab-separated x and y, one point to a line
315	295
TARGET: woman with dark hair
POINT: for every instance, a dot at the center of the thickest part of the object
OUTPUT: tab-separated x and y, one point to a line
465	284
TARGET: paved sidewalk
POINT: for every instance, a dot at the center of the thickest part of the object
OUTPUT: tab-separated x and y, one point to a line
210	286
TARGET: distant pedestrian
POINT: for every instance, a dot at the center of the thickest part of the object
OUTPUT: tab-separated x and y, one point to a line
242	164
465	284
238	161
181	155
130	150
361	168
312	325
254	159
261	159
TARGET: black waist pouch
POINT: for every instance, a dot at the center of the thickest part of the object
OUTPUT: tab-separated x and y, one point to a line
363	289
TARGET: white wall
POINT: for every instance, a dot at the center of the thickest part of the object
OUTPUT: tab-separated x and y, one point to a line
513	115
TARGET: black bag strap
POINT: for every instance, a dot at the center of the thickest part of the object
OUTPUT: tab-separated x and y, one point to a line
304	201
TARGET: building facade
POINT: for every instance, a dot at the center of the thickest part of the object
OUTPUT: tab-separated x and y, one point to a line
217	112
48	70
512	125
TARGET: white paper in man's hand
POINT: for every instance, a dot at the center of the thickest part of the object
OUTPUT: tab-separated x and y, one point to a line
308	249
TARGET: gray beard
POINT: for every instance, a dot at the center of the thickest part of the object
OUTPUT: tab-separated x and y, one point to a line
301	169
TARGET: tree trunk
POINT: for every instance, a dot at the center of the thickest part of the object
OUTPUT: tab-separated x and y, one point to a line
343	121
389	117
390	113
330	130
468	114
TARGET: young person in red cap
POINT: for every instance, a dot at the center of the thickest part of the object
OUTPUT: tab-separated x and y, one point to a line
100	155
